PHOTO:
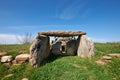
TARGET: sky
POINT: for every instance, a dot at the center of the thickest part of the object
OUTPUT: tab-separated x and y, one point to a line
100	19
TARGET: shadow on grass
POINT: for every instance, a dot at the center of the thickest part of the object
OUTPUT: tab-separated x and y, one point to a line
51	58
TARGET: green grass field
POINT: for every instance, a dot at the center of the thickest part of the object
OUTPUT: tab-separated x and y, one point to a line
64	68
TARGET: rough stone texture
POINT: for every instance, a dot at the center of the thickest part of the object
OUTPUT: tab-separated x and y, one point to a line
71	47
100	62
22	57
5	59
62	33
106	58
14	62
85	47
56	48
64	46
39	50
3	53
25	79
114	55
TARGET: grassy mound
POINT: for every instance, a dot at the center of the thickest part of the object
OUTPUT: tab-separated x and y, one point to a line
65	68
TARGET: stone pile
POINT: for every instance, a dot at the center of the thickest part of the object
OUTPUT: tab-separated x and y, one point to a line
107	58
8	59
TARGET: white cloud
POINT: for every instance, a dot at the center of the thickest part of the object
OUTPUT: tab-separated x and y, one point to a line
8	39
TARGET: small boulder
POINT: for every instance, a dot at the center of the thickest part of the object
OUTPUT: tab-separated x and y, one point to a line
14	62
114	55
25	79
22	57
100	62
5	59
3	53
106	58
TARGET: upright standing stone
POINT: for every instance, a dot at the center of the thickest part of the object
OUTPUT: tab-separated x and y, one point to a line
71	47
85	46
56	48
39	50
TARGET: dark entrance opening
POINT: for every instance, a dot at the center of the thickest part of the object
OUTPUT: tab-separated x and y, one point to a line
63	48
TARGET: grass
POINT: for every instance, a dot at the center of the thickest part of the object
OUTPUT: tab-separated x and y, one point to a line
65	68
70	68
15	49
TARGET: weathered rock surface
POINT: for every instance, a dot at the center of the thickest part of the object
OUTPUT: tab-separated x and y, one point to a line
39	50
22	57
25	79
114	55
56	48
85	47
106	58
5	59
71	47
14	62
64	46
100	62
3	53
40	47
62	33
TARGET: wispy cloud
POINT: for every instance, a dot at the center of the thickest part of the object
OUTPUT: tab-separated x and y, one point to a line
8	39
12	38
73	10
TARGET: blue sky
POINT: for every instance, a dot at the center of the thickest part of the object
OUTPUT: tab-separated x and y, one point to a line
99	18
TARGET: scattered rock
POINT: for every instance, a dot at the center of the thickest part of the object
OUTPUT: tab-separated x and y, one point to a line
25	79
100	62
3	53
114	55
6	59
14	62
106	58
22	57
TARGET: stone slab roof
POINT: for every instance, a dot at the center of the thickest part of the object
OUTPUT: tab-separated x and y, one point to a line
62	33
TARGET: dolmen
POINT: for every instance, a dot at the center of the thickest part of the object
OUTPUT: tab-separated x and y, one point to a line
64	44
